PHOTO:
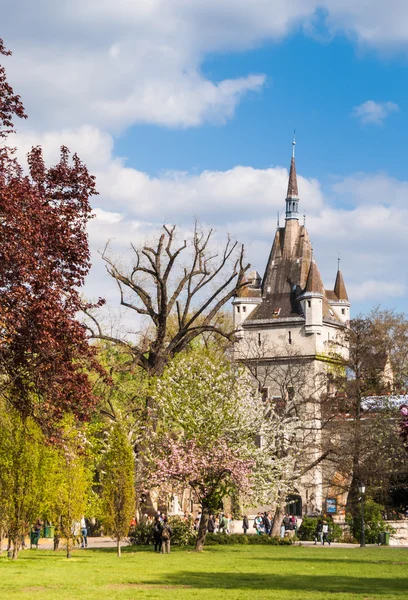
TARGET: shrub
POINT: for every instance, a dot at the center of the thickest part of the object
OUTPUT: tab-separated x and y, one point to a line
141	534
307	529
183	534
373	520
223	539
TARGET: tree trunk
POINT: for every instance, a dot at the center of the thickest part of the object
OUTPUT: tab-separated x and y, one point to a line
119	551
69	548
16	548
277	521
202	529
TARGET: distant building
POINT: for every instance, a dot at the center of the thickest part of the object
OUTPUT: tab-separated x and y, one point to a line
288	317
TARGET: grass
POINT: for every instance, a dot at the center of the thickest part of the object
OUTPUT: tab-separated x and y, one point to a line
220	572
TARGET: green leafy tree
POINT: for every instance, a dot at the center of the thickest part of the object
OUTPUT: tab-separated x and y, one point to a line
368	448
71	481
118	485
24	464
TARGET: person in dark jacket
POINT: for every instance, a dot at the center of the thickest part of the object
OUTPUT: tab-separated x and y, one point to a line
245	523
157	531
166	533
318	535
211	524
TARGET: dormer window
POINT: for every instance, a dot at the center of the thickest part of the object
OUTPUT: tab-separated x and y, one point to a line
238	309
244	309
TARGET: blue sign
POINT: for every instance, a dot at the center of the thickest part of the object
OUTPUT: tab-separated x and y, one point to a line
331	505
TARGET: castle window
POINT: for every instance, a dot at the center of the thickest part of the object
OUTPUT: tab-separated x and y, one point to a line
244	309
289	337
309	303
343	311
238	310
259	339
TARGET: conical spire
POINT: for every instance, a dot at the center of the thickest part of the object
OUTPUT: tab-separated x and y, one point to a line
292	185
314	282
292	196
340	288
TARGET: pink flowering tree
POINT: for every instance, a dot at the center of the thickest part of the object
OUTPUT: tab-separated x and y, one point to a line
404	425
213	472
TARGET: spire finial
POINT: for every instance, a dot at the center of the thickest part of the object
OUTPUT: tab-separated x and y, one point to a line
338	261
294	143
304	220
277	220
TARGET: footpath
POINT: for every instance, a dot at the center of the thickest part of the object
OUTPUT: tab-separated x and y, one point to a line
107	542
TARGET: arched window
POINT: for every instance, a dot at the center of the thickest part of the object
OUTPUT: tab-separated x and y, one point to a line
294	505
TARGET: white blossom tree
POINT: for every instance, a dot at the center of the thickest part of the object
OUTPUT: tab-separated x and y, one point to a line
214	434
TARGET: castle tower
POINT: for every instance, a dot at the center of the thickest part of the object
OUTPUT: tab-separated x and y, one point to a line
289	317
291	305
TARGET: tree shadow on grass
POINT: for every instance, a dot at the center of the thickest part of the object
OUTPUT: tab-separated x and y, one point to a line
330	560
328	584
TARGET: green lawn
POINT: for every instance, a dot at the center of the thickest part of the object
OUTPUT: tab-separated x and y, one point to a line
220	572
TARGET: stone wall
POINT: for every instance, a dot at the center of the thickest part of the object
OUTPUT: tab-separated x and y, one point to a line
400	537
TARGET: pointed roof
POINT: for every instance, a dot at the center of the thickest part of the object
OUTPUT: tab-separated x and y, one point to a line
292	184
314	281
340	288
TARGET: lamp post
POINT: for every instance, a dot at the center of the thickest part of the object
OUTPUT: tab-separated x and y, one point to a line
361	489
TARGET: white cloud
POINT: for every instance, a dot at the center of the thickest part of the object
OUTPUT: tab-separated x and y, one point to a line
374	113
373	289
114	63
370	233
370	188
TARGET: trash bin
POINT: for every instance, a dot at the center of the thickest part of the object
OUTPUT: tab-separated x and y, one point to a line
386	538
34	537
49	531
381	539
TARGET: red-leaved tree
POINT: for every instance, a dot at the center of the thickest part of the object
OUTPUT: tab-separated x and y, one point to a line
44	258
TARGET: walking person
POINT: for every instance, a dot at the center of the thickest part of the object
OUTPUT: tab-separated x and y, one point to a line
259	524
245	524
282	529
166	533
211	524
318	534
84	533
265	522
325	530
223	524
157	530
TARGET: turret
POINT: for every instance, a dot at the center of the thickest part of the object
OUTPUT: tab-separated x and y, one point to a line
312	301
338	300
248	298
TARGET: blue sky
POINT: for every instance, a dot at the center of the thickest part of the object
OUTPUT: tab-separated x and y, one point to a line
186	109
310	86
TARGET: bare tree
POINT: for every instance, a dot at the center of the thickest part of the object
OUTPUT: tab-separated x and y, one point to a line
180	300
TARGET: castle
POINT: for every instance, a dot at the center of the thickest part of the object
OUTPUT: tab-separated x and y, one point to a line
287	318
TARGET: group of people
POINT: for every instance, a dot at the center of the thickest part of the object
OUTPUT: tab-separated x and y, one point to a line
289	523
162	533
322	533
